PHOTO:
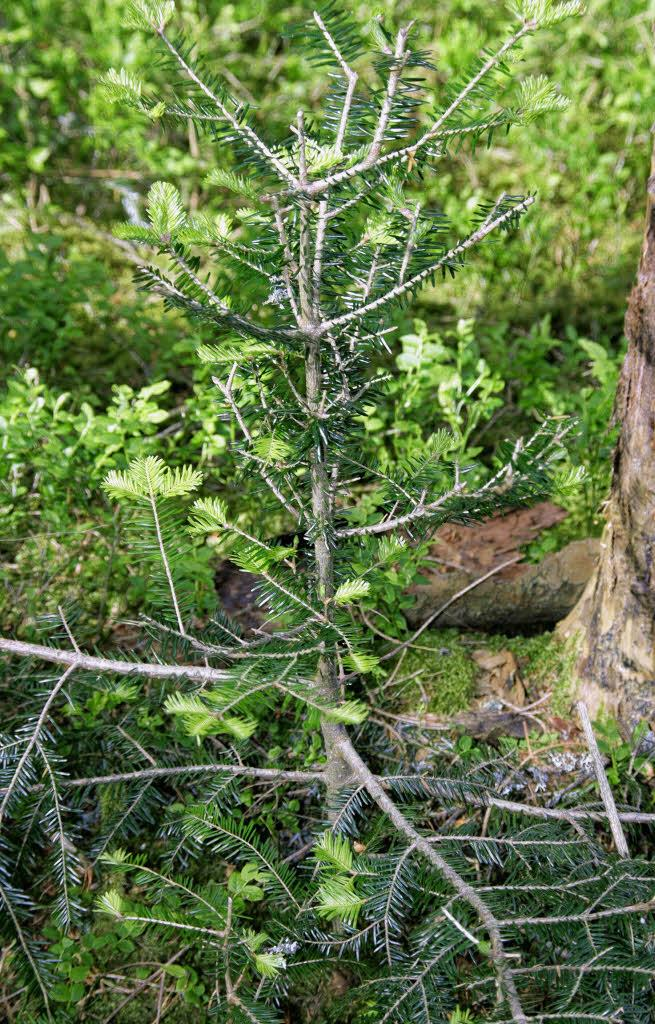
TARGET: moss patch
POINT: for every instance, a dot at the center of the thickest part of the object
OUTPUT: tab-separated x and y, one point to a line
546	662
447	680
438	675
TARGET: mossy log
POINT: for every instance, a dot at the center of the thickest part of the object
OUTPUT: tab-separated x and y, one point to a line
520	596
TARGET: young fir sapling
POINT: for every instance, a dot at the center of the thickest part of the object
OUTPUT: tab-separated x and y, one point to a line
299	294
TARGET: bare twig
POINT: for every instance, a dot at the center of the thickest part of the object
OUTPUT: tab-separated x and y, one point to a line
69	633
88	662
603	784
236	770
164	558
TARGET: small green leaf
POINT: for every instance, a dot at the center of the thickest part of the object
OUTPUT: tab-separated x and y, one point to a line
175	970
61	992
78	973
38	157
41	87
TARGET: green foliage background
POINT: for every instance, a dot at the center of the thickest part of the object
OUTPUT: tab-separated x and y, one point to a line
80	345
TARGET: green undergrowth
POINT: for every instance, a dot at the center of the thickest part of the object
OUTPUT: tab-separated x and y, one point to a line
439	674
119	951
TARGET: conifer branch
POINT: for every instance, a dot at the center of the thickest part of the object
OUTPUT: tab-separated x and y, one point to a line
40	722
321	228
248	651
244	131
399	58
411	244
87	662
290	267
351	77
25	946
489	65
444	261
228	393
320	776
240	322
410	150
425	509
492	926
61	835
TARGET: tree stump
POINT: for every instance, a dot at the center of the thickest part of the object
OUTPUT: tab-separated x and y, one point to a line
615	617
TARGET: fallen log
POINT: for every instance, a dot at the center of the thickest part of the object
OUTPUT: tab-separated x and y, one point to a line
512	594
523	595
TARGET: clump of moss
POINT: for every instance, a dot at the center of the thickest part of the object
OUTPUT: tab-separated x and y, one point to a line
437	675
558	673
546	662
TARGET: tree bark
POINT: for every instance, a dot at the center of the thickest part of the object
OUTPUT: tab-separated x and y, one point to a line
615	617
338	774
